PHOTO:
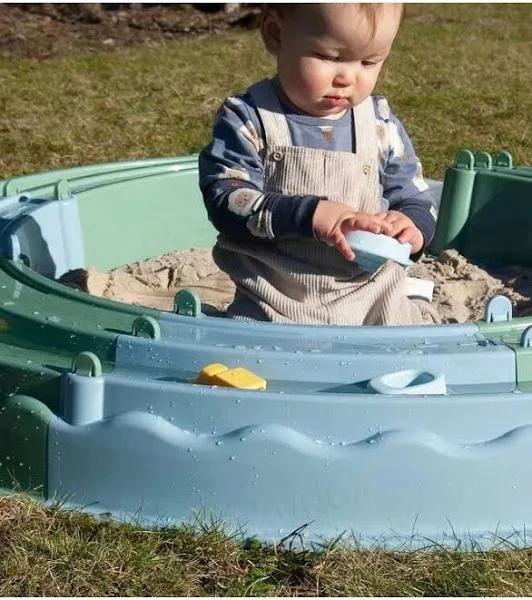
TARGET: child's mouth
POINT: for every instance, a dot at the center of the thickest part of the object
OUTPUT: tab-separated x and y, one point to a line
337	100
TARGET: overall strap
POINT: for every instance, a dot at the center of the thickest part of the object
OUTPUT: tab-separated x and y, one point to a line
366	131
271	114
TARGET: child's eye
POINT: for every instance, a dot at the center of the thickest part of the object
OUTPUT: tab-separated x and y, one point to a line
325	56
368	63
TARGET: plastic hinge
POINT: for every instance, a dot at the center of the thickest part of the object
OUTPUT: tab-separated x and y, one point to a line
503	159
498	308
62	190
187	303
483	160
526	337
464	159
11	187
148	327
87	364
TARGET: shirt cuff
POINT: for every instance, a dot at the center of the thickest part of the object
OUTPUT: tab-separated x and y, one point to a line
291	215
425	222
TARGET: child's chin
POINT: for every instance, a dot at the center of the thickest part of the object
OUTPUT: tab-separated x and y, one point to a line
331	112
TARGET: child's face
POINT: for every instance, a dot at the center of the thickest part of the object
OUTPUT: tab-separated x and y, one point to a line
327	58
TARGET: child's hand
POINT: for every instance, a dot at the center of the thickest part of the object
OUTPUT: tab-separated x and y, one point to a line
332	220
403	229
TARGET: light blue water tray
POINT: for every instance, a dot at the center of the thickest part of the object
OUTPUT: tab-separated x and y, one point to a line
372	250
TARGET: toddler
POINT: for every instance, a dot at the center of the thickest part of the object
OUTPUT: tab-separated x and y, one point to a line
300	160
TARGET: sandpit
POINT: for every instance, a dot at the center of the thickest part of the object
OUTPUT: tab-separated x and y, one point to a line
460	292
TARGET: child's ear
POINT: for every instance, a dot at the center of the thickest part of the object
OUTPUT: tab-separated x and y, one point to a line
270	29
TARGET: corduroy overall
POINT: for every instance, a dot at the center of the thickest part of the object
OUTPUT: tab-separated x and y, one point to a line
304	280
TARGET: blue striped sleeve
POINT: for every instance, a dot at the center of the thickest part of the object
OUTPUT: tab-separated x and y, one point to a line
401	173
232	177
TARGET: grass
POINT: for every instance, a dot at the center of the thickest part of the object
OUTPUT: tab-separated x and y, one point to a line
50	552
459	77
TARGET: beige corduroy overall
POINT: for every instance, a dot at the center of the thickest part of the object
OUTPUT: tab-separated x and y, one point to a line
304	280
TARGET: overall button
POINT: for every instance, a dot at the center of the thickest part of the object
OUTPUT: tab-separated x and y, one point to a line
366	168
277	156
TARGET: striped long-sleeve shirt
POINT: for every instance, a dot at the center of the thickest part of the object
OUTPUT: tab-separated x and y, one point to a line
231	171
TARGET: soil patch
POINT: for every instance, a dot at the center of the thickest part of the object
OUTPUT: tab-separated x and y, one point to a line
46	30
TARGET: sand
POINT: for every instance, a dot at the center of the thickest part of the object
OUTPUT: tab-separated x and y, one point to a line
460	292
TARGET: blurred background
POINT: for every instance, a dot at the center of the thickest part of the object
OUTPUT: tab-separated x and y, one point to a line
85	83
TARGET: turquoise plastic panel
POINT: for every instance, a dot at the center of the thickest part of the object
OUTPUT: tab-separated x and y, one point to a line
307	354
315	447
144	217
129	211
485	210
383	467
46	235
500	219
44	185
318	446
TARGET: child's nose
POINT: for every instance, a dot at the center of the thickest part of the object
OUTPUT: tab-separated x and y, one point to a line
345	76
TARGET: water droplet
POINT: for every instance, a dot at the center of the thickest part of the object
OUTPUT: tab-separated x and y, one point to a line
232	458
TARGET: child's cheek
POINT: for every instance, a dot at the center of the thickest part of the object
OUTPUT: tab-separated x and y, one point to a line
315	76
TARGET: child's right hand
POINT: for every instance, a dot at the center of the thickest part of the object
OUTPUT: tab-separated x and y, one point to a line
332	220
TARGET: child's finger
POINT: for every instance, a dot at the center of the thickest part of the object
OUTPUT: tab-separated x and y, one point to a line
343	246
389	217
382	227
373	227
354	223
405	234
405	238
387	228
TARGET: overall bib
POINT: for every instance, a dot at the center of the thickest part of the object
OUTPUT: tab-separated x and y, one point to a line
304	280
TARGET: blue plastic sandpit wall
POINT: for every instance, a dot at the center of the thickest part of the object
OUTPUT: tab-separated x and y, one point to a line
316	447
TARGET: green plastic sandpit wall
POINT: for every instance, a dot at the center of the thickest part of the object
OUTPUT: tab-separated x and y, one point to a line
128	210
486	211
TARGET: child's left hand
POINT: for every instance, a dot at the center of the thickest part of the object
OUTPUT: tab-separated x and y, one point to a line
403	229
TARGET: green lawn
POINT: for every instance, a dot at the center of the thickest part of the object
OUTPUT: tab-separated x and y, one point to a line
51	552
459	76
